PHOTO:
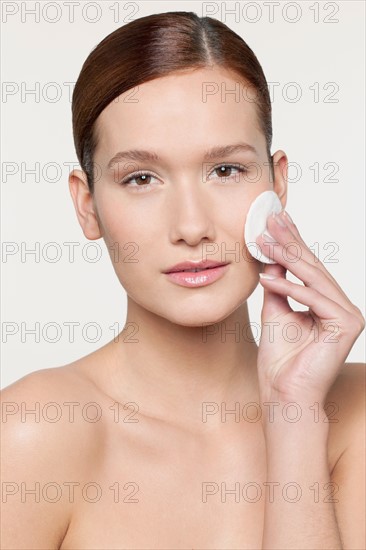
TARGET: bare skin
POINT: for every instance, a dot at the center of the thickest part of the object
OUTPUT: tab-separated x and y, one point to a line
170	371
161	464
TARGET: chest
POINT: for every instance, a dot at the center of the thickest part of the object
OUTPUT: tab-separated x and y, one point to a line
172	492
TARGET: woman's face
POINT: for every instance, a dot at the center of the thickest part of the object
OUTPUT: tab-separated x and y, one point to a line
184	209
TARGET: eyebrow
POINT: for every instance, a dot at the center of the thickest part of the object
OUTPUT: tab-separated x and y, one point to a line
211	154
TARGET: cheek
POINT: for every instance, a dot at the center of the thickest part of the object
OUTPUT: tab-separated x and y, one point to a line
234	237
130	242
117	218
233	222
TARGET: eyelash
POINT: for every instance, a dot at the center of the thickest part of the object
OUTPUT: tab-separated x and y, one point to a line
240	168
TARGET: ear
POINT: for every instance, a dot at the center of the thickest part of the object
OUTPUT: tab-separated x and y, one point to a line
280	165
84	206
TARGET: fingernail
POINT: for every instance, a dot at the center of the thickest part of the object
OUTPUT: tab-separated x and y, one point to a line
288	217
278	219
266	276
267	236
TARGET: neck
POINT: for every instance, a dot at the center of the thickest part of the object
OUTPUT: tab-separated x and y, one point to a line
172	371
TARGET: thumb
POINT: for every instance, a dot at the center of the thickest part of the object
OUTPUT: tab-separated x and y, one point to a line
274	304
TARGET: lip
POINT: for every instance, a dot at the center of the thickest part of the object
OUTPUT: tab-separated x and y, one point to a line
201	278
192	264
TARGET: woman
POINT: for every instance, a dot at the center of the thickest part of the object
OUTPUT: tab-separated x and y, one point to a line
179	433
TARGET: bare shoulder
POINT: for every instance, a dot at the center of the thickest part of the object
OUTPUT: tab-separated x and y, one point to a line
346	409
44	444
348	475
50	405
347	396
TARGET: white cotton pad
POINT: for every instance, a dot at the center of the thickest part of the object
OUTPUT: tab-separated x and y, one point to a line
256	222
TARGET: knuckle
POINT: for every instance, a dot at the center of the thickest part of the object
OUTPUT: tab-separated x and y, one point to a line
355	324
360	319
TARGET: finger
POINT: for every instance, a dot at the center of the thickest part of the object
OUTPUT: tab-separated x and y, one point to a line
323	307
306	253
274	304
277	270
281	250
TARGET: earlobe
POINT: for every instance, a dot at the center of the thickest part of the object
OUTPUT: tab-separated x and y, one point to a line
83	204
280	165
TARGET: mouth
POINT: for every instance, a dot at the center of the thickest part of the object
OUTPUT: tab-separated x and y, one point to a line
194	270
198	276
195	266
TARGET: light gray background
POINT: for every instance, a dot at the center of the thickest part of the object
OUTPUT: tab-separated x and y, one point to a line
309	52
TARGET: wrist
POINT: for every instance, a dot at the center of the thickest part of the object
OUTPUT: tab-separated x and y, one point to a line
295	419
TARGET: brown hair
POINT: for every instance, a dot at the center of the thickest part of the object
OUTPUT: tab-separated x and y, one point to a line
151	47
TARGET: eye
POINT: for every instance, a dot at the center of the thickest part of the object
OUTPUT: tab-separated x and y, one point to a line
142	176
224	168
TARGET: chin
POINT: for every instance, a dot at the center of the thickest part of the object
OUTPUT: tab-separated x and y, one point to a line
198	316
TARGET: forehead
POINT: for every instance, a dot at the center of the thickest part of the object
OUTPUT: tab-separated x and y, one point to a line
188	108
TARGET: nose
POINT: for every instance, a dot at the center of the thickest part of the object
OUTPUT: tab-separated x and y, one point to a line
191	213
